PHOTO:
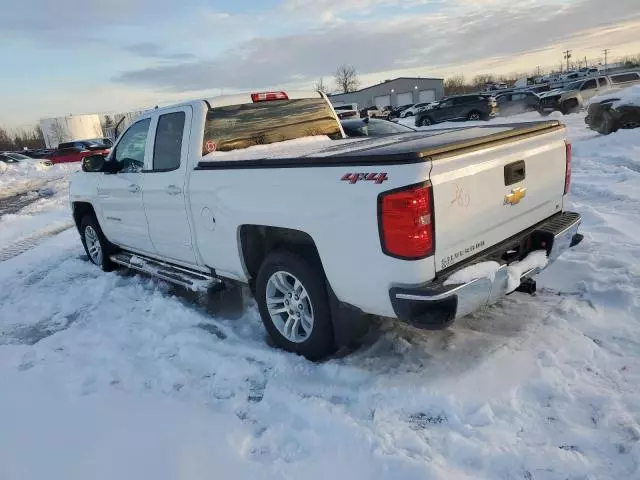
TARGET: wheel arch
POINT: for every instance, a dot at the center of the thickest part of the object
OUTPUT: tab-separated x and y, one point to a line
80	209
256	241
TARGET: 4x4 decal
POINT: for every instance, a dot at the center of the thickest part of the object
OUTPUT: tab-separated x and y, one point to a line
369	177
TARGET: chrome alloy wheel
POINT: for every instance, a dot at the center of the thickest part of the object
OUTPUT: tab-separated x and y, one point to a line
93	245
289	306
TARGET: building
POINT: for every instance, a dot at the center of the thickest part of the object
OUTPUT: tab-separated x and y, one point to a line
66	129
400	91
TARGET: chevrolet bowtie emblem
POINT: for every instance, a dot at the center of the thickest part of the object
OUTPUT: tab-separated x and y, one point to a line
515	196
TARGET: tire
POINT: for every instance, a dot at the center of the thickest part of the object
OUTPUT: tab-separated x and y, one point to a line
279	273
96	245
474	116
605	124
425	122
570	106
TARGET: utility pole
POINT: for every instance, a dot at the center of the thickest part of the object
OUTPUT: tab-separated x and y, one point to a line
567	56
606	52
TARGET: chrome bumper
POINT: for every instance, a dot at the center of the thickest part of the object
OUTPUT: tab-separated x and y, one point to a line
437	306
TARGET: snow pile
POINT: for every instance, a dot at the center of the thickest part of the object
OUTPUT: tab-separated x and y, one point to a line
627	96
535	260
115	375
473	272
31	175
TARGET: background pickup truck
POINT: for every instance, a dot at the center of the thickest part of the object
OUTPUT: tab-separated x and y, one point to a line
573	97
265	190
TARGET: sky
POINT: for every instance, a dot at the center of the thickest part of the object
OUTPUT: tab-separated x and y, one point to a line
87	56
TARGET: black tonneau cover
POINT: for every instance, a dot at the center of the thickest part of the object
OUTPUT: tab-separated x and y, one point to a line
396	149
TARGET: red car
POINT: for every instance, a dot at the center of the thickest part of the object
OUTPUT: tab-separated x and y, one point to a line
76	151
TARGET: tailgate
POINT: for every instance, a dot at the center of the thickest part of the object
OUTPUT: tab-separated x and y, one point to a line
486	194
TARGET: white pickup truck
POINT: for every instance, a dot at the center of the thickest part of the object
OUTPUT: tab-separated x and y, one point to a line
265	190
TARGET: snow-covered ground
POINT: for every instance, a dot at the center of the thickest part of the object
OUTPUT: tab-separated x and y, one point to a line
19	177
113	375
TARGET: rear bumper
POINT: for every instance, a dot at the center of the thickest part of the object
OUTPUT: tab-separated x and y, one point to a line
435	306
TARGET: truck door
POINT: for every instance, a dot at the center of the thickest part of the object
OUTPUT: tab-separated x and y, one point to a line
120	194
589	89
164	186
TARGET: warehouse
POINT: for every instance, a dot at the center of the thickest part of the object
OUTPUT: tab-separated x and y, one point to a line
400	91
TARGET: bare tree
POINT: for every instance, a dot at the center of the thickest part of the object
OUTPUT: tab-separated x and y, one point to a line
321	87
481	80
57	133
455	85
346	78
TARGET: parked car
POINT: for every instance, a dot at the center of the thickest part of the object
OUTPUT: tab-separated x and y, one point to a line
349	110
609	113
209	192
573	97
463	107
14	157
372	127
36	153
517	102
92	143
75	151
395	112
375	112
414	109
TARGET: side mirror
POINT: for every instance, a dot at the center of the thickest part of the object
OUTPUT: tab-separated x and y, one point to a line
93	163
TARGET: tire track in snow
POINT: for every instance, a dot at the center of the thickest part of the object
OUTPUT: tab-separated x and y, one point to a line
28	242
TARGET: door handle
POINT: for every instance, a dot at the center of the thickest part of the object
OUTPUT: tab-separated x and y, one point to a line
133	188
173	190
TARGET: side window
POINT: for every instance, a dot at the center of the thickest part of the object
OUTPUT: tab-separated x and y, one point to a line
602	82
446	104
625	77
168	142
129	153
589	85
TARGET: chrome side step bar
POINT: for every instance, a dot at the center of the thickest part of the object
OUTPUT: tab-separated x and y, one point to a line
184	277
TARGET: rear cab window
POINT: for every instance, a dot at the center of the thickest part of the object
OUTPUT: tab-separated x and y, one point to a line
245	125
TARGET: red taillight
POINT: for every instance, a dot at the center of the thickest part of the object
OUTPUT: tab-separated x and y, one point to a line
268	96
406	222
567	175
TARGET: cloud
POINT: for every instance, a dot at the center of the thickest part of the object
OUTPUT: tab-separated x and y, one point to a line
409	41
152	50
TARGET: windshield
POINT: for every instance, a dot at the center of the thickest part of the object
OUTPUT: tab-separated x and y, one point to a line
573	86
241	126
373	128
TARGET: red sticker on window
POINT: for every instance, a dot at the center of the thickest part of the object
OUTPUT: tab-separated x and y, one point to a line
210	146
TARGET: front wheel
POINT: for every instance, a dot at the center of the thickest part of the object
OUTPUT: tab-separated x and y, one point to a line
426	122
96	245
294	306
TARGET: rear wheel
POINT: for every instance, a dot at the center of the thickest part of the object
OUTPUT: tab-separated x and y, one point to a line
474	116
605	125
96	245
570	106
293	302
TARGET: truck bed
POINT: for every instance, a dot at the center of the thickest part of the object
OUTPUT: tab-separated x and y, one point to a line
395	149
